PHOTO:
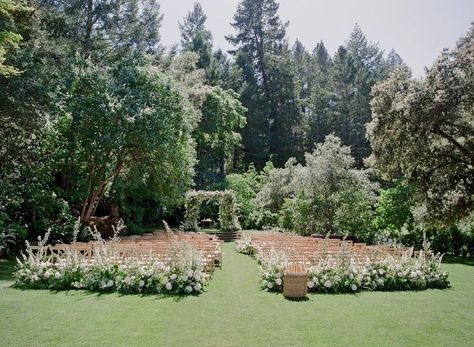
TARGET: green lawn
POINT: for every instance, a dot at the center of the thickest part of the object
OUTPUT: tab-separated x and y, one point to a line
235	312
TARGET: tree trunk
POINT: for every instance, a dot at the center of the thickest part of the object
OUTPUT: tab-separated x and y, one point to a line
89	25
90	204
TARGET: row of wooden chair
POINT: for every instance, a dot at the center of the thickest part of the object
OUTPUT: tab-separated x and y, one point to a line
311	250
157	245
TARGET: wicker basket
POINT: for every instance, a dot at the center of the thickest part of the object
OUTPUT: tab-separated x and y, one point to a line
295	281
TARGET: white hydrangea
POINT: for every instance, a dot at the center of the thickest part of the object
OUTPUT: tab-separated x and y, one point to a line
169	286
278	281
173	277
110	283
141	283
353	287
310	284
197	287
328	284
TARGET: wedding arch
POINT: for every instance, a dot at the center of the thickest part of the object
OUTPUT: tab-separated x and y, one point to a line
228	208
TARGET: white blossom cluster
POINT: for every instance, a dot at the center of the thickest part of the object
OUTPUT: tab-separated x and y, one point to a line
244	244
272	269
180	272
337	277
129	276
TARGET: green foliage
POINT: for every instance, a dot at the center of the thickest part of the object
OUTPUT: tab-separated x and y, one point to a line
121	116
327	195
452	240
334	93
8	38
193	24
423	129
101	117
246	186
216	136
393	208
103	29
268	88
228	209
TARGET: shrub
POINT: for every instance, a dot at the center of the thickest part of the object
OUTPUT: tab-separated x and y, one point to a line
327	194
452	240
272	270
106	272
339	273
244	244
246	186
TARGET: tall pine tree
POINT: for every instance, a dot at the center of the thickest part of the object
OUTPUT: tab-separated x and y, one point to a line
222	113
261	36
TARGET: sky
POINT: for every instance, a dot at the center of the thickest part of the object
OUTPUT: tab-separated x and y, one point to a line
417	29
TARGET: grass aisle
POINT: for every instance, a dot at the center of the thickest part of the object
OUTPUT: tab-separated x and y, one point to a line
235	312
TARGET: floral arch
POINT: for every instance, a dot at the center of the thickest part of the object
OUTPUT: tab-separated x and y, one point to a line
228	208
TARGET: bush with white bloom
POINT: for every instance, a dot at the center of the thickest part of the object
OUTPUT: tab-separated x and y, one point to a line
337	276
181	273
244	244
272	268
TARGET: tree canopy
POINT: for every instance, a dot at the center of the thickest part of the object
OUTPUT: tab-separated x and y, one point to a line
424	129
99	118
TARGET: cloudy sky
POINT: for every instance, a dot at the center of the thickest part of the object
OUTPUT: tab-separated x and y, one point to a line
417	29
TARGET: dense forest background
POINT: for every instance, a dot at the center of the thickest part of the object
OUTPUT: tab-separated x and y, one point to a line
98	118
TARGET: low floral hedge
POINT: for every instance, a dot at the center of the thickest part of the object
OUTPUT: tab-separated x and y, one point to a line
244	244
130	277
181	274
389	274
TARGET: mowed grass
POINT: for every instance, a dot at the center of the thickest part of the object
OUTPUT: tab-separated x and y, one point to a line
235	312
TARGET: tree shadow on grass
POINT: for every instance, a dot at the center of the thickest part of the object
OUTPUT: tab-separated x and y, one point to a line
85	293
450	259
7	267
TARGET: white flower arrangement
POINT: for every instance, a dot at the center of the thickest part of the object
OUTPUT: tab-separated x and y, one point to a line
340	275
244	244
272	268
180	273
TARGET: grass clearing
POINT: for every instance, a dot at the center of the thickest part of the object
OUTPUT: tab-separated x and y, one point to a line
234	312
